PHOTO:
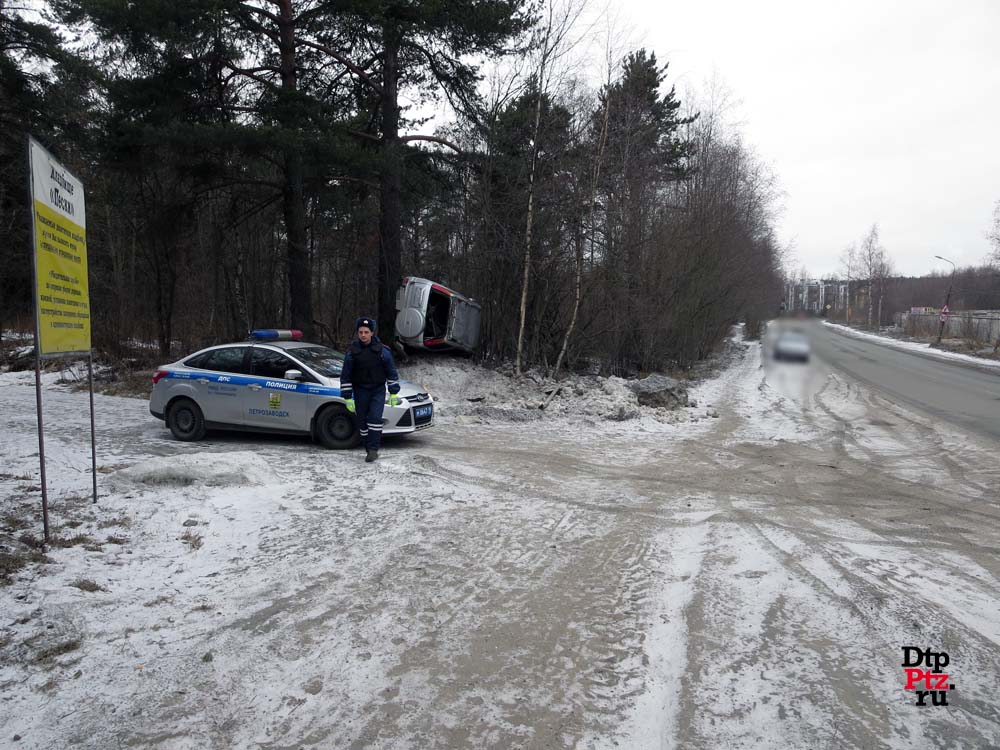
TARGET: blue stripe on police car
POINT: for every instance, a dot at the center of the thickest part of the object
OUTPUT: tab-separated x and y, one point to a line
313	388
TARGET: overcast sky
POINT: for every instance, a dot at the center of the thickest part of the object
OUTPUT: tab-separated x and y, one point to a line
883	111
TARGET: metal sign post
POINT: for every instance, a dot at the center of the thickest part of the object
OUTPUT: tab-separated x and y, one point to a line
93	431
41	435
62	290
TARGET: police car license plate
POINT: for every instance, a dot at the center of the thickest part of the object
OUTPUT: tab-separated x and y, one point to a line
422	411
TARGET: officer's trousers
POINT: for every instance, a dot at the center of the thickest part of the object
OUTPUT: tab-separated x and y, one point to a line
369	401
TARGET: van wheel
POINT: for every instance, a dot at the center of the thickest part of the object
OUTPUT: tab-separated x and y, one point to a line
336	428
185	420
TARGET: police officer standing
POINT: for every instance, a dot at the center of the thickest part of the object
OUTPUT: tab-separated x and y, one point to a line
368	370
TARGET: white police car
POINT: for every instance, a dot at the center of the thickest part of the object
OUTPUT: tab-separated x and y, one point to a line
272	383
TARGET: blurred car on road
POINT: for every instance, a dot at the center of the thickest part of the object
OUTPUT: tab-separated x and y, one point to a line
792	346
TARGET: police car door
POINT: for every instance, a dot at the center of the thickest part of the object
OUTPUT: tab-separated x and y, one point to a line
271	402
220	387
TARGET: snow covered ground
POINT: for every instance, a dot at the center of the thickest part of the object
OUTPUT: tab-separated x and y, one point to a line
743	573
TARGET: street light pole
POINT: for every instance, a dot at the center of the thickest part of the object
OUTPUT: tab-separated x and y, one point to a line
947	298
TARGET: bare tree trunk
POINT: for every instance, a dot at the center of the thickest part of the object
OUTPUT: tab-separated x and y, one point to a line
579	246
555	35
531	206
870	302
390	187
299	286
317	262
165	276
848	260
527	250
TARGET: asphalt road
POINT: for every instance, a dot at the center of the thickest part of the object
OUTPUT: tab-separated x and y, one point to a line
959	394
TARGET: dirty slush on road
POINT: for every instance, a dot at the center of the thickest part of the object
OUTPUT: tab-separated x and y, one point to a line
746	580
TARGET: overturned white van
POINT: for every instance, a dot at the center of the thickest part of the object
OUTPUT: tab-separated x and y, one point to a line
433	317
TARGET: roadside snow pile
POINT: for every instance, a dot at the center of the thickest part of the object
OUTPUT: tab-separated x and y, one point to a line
916	347
17	350
468	392
236	469
17	359
660	390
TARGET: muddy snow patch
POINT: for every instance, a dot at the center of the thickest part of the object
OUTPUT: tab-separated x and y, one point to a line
237	469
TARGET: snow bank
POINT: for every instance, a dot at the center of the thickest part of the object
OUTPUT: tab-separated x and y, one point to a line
915	347
466	392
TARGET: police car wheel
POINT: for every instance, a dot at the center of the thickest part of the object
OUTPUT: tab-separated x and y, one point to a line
185	420
336	428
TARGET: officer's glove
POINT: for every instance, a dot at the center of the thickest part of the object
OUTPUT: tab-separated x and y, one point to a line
393	399
349	403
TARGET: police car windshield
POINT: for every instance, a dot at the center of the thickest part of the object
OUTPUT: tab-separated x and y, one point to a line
325	361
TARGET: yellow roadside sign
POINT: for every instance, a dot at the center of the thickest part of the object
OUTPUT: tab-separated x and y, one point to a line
62	292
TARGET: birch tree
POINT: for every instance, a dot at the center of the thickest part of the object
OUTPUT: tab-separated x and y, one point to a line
554	43
598	160
872	264
994	234
849	264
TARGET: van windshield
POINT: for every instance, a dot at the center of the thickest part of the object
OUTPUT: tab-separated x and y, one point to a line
327	362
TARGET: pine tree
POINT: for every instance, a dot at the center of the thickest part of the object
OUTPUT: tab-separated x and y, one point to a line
645	152
35	99
307	75
429	47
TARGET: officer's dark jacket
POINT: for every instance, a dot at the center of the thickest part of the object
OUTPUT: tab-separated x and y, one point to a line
370	365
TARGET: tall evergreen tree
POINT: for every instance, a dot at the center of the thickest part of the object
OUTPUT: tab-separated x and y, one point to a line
429	47
37	98
306	70
232	74
645	152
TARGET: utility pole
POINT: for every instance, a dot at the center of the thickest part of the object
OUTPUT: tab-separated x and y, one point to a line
947	299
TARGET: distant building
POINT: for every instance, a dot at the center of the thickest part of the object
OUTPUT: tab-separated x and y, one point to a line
821	297
969	290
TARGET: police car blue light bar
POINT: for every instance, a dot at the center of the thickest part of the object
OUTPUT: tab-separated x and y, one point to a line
275	334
